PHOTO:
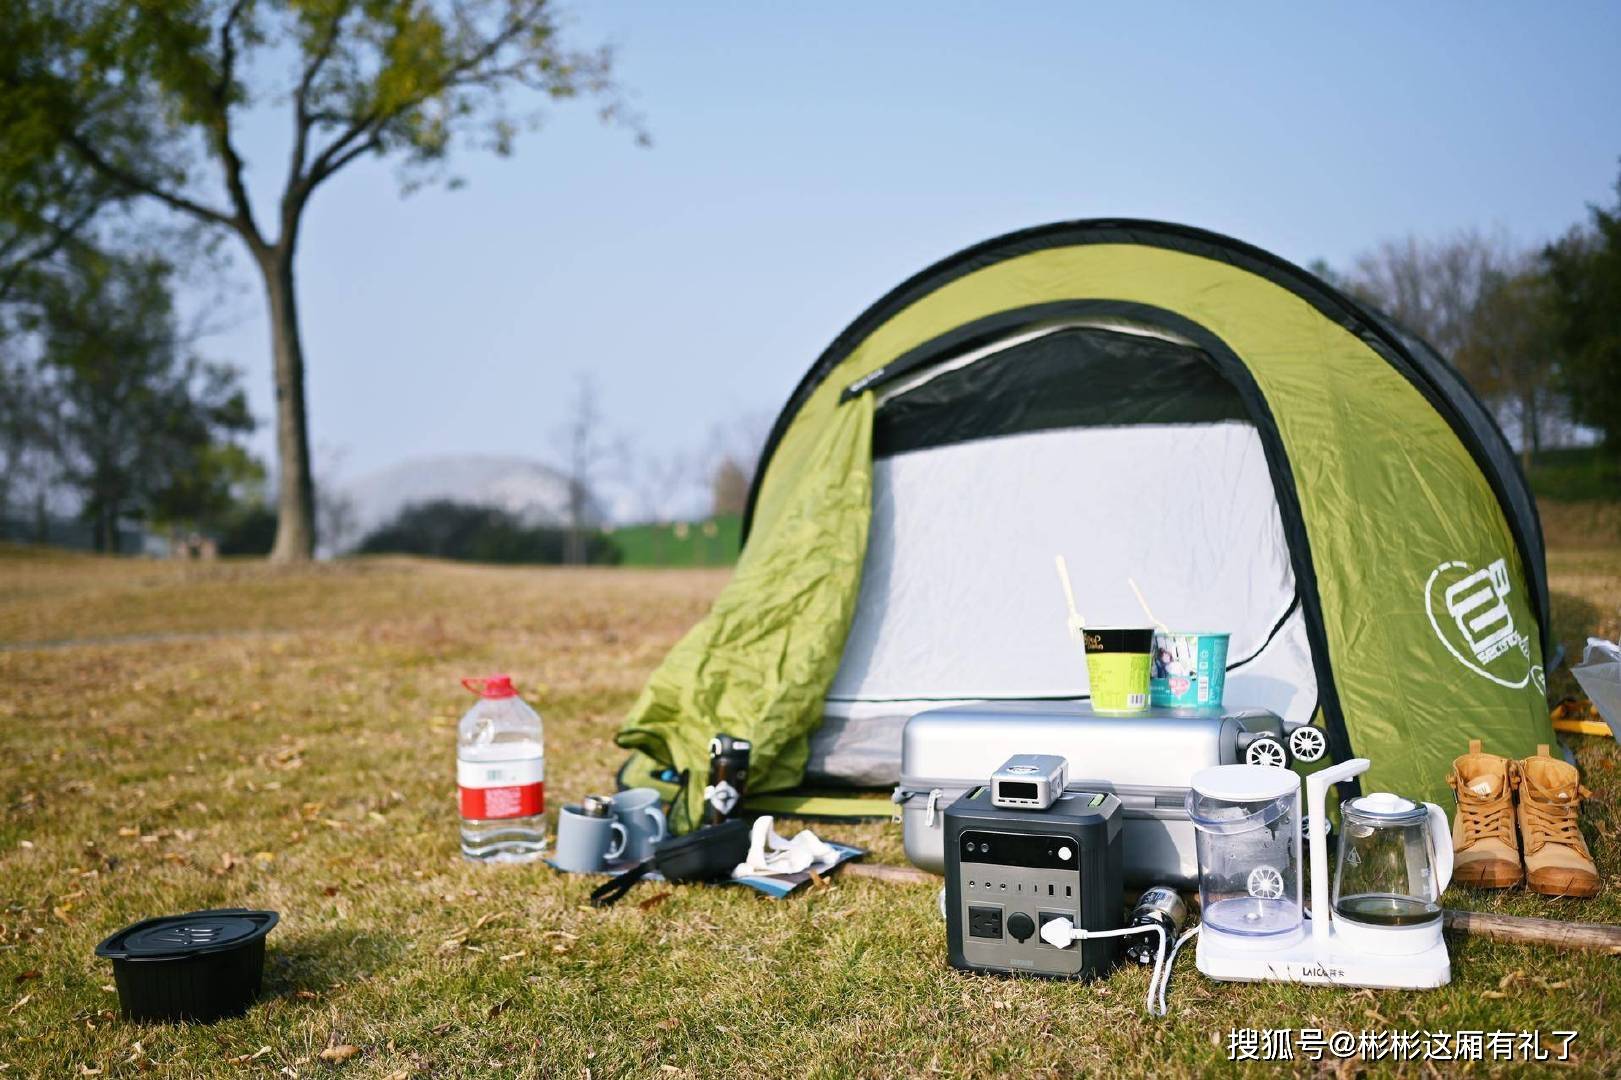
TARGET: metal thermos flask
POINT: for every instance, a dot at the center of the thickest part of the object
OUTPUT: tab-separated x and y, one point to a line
728	777
1159	906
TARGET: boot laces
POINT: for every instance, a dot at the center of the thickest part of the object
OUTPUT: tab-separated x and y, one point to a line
1485	818
1555	821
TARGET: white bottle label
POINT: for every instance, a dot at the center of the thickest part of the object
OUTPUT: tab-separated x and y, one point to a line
501	789
488	774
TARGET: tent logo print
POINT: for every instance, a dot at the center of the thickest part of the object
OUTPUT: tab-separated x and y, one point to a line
1478	604
1468	607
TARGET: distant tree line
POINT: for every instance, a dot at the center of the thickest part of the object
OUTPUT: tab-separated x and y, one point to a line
452	530
1537	332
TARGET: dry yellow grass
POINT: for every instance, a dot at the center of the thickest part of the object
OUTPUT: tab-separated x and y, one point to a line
183	736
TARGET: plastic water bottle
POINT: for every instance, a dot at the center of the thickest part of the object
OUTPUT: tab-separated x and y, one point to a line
501	775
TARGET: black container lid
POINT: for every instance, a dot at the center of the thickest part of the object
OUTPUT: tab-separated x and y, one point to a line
179	937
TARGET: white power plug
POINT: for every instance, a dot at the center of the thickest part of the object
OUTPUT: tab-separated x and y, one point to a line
1061	932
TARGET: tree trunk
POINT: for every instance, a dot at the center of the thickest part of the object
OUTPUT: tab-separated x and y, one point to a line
574	539
295	503
1530	426
107	528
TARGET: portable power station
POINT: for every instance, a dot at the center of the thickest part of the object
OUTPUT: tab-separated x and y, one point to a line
1008	872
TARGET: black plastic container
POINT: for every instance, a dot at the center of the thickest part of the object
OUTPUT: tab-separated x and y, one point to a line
199	967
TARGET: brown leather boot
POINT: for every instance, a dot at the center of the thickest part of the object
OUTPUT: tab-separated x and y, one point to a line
1557	861
1484	852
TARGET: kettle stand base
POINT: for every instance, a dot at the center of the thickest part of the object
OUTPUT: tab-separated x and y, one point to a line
1228	958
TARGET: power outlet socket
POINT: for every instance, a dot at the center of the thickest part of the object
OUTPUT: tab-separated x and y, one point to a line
984	922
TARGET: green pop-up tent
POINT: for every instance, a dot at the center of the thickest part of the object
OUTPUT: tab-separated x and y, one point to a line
1261	454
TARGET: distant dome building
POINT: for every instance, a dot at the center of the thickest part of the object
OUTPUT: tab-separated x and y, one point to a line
534	493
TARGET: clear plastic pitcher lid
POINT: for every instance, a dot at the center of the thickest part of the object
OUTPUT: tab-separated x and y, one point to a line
1230	799
1245	783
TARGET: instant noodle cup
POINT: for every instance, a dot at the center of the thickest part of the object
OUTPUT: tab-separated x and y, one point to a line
1188	669
1117	661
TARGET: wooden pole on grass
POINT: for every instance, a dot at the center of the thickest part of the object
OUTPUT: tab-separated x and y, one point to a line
1523	930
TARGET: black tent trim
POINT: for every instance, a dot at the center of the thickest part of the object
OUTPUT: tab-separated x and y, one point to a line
1060	376
1422	366
985	332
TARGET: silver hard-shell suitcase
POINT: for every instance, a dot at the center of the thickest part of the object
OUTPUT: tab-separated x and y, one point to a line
1146	761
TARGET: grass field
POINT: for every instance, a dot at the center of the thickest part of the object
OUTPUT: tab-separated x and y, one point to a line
184	736
1576	474
1579	496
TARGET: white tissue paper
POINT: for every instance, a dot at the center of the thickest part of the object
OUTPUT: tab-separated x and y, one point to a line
1599	674
770	854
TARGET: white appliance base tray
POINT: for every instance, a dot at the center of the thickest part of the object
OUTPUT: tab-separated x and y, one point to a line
1327	963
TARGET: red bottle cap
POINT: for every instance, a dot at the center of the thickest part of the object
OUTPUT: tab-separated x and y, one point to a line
492	686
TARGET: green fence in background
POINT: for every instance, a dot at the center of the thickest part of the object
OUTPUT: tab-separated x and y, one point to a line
709	542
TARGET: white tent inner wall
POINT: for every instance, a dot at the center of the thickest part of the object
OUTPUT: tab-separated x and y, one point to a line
960	601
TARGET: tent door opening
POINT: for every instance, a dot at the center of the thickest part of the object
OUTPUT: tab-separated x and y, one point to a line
1116	444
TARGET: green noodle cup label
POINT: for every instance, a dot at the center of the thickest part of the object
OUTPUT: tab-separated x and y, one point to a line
1117	667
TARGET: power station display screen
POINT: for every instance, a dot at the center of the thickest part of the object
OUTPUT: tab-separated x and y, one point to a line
1018	849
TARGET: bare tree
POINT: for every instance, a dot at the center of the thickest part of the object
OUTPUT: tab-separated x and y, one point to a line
1510	350
728	488
732	452
1431	287
587	450
337	519
1478	301
661	484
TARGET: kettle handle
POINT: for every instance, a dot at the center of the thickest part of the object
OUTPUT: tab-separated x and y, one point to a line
1441	840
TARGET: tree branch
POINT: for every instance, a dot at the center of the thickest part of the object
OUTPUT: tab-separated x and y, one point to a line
61	234
337	153
139	185
220	130
373	143
302	118
367	126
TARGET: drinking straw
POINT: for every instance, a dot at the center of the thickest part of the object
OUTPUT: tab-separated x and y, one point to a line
1139	594
1077	624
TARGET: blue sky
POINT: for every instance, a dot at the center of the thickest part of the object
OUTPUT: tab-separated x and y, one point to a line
808	157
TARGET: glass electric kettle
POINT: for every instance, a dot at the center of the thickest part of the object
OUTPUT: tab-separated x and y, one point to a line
1395	861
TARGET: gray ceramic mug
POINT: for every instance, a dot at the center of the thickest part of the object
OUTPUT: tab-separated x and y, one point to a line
638	811
587	844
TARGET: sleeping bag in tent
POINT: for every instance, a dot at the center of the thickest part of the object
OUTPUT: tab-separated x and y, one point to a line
1262	455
